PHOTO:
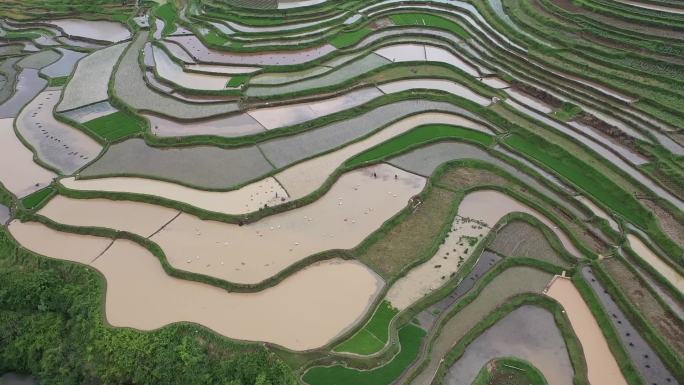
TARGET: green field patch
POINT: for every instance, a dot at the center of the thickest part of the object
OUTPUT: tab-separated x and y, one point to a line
22	35
510	371
57	82
167	13
374	335
567	112
347	39
35	199
582	175
116	126
418	135
427	20
237	80
410	337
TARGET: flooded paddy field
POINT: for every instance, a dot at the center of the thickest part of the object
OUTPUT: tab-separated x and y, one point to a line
463	237
318	300
90	81
276	117
90	112
254	252
305	177
5	214
662	267
94	30
645	359
195	166
39	60
171	71
138	218
246	199
330	78
61	146
64	66
337	193
285	151
510	282
426	160
141	295
529	333
601	364
490	206
129	86
18	172
199	51
9	75
55	244
485	262
28	85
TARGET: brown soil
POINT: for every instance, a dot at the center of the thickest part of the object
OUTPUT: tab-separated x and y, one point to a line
637	292
411	239
609	131
464	177
618	23
521	239
538	94
671	226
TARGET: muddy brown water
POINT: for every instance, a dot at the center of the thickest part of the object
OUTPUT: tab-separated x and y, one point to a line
54	244
356	205
139	218
18	172
244	200
297	181
602	368
643	251
305	311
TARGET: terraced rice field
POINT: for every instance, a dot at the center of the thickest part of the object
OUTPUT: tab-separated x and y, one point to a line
318	192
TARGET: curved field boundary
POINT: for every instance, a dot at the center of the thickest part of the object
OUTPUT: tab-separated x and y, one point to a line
157	295
529	333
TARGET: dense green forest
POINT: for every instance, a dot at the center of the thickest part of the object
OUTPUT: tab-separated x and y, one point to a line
52	325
